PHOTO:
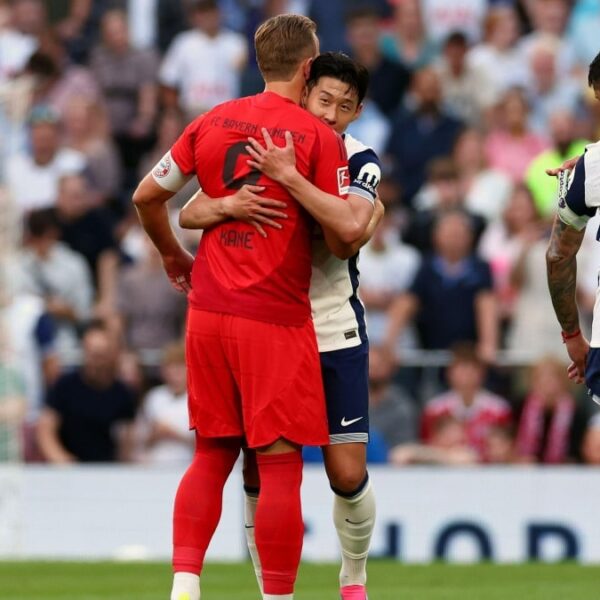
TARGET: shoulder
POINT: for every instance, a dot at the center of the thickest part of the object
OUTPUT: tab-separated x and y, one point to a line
440	404
494	404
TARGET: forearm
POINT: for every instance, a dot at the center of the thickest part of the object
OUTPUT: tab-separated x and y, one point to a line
148	102
48	441
202	212
561	263
487	319
333	213
401	311
108	267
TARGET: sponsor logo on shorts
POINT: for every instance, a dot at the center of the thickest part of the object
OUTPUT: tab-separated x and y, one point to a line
345	423
349	335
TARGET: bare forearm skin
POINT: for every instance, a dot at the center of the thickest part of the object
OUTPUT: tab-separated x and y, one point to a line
561	263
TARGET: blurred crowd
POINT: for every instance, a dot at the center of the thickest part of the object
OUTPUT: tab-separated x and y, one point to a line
470	101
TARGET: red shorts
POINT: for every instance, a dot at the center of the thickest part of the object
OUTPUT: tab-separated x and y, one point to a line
254	379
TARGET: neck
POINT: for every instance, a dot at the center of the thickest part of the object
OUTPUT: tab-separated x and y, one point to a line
468	397
288	89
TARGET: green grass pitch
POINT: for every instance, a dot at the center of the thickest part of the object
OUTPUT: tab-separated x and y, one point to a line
387	581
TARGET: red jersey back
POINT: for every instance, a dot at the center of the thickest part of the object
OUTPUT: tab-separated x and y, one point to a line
236	271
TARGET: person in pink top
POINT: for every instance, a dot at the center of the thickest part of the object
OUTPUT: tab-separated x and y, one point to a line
512	145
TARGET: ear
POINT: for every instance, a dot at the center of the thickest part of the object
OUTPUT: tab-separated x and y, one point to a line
306	68
304	98
358	111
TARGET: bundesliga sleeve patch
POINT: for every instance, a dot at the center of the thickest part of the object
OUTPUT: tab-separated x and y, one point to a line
343	177
366	182
168	174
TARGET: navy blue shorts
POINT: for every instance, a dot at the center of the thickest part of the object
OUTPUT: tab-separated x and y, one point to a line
346	382
592	374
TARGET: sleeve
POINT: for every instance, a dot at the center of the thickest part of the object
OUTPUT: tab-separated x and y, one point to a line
575	206
127	412
330	166
419	285
365	174
56	396
485	281
182	150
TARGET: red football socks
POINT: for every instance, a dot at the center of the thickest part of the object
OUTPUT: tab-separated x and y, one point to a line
278	525
199	500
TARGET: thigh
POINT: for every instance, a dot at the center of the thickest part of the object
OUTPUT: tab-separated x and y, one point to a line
346	383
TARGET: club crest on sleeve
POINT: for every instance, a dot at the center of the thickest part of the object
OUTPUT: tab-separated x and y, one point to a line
343	177
163	168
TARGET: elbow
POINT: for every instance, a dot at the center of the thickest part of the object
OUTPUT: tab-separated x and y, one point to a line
140	199
351	233
184	219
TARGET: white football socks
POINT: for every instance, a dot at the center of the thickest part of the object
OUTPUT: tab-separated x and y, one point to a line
249	512
354	520
186	586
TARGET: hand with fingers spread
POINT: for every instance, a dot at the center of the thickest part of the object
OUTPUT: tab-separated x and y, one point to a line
568	165
246	205
179	270
277	163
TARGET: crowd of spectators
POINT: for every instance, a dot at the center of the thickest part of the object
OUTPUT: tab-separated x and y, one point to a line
469	102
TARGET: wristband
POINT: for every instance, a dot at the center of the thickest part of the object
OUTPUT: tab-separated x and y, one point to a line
569	336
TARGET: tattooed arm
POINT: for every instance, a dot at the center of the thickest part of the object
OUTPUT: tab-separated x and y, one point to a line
561	262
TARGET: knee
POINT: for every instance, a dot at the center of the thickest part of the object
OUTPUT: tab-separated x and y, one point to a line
347	480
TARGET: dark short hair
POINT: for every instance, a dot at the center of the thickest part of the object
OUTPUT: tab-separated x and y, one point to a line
456	38
594	72
39	223
466	352
362	12
340	66
204	5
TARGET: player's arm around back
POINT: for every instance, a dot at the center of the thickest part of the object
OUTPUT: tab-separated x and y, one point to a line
323	199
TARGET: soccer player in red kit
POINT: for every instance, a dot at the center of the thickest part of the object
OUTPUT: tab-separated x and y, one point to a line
253	363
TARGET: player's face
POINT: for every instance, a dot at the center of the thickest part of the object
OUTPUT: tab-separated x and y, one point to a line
333	102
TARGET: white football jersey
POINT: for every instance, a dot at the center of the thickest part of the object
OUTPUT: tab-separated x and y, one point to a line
337	311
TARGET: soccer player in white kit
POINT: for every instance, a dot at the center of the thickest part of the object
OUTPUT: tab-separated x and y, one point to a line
579	200
335	92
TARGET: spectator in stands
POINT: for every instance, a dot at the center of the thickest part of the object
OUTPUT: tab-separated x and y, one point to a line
150	313
440	193
467	400
565	145
552	424
392	412
549	20
387	268
89	230
533	330
443	18
17	42
389	80
584	24
165	413
127	77
451	296
590	448
502	244
32	177
447	445
421	132
13	407
467	89
548	92
512	144
500	445
486	190
198	85
54	272
86	130
498	55
88	413
407	42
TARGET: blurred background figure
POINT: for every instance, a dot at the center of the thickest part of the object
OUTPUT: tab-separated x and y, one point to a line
164	419
88	413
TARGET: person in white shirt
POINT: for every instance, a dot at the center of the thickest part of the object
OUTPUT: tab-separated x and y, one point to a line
202	66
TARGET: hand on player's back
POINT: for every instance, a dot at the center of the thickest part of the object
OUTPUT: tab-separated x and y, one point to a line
274	161
246	205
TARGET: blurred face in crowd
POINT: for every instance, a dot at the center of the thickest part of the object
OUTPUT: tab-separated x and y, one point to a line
543	67
44	142
333	102
520	211
427	89
455	53
99	357
468	151
115	33
448	433
73	200
562	127
502	27
515	111
549	380
29	16
174	374
363	34
499	446
407	16
550	16
453	237
207	21
380	367
466	377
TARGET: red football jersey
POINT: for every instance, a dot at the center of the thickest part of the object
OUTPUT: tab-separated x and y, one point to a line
236	271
